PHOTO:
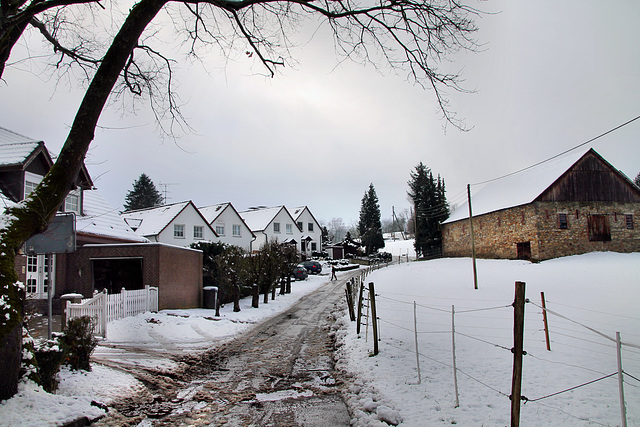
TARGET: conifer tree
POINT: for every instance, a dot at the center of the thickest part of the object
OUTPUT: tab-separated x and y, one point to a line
144	195
431	208
370	227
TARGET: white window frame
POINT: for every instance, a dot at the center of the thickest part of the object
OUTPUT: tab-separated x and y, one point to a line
72	202
236	230
220	229
276	227
31	181
198	232
178	231
289	228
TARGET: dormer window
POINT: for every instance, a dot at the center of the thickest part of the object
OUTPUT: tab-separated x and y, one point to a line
72	202
31	181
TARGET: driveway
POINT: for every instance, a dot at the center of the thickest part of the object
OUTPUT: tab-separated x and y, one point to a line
279	373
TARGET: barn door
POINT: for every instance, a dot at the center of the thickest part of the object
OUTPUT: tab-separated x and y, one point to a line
599	230
523	250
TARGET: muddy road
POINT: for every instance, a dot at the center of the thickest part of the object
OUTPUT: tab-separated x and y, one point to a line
279	373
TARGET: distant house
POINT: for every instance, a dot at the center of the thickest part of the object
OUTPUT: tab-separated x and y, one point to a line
179	224
108	253
231	229
272	224
311	239
574	204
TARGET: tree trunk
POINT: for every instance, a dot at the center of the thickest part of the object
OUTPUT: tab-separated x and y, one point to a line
33	215
256	296
236	298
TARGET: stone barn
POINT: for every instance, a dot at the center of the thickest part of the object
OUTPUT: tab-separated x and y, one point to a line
571	205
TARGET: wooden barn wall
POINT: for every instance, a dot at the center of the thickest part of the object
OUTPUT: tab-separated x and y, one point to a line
591	179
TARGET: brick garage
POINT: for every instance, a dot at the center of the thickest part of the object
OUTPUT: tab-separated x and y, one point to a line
176	271
588	207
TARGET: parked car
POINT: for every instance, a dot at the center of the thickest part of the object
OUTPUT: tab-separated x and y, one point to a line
313	267
299	272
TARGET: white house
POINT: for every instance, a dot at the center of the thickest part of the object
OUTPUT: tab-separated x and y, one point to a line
228	225
310	229
179	224
269	224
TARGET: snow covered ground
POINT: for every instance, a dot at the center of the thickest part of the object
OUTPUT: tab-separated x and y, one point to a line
595	295
600	291
168	332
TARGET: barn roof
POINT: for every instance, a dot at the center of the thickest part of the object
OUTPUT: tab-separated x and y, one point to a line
520	188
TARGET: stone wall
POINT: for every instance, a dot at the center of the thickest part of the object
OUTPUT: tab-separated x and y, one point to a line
498	233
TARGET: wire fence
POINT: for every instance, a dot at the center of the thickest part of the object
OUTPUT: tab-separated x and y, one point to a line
578	346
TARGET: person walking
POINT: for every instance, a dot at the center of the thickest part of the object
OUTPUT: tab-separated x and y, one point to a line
333	273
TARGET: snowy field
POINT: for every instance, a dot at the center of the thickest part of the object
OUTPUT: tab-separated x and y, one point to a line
600	291
596	294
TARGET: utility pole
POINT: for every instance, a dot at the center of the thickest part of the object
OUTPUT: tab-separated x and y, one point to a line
395	220
473	242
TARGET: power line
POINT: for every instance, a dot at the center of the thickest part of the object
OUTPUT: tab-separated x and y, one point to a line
561	154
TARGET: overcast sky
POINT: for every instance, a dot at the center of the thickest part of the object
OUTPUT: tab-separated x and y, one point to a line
550	75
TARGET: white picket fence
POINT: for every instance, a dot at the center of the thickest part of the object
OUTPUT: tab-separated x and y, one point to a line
104	307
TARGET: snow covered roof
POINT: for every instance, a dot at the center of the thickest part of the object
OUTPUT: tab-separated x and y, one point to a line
259	219
297	212
152	221
101	219
518	189
211	213
15	149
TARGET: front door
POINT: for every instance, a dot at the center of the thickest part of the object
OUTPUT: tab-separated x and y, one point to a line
38	277
523	250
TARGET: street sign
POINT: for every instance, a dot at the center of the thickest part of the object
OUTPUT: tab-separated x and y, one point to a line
58	238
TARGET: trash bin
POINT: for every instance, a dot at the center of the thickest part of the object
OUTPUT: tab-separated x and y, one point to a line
210	296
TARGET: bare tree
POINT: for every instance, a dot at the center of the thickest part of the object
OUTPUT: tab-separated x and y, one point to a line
410	36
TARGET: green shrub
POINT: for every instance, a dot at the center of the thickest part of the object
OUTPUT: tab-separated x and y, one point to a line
78	342
49	356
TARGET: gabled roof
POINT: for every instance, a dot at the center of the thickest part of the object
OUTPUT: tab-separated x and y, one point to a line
101	219
259	219
19	151
211	213
152	221
523	187
296	212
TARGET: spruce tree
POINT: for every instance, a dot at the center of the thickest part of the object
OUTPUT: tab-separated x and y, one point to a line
431	208
369	226
143	195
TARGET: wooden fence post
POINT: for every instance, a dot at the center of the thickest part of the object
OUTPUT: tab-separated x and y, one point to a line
623	410
360	309
544	319
453	346
518	344
374	319
415	334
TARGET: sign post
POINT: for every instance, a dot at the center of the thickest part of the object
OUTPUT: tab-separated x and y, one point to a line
59	237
